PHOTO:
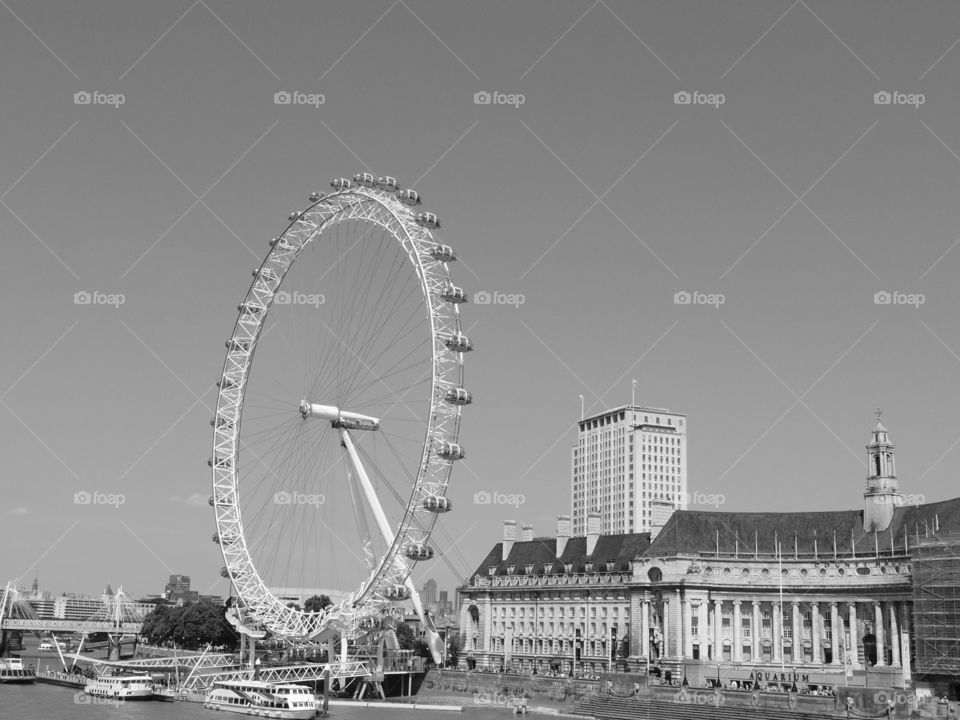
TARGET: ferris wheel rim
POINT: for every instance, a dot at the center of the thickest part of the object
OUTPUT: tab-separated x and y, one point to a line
399	222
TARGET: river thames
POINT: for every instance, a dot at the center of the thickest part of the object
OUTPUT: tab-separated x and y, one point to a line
51	702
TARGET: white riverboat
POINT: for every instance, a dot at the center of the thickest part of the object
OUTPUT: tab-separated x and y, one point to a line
263	699
121	687
12	671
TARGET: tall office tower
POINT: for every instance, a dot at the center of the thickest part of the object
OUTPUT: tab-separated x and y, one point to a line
429	592
625	459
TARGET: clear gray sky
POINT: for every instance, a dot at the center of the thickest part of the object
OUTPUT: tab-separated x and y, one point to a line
597	199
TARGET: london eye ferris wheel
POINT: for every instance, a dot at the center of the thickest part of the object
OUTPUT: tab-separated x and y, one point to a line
333	451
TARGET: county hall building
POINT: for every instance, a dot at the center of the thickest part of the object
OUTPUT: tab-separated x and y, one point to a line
820	598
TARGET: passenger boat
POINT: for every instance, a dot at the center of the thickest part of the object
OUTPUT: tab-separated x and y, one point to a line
11	671
255	697
121	687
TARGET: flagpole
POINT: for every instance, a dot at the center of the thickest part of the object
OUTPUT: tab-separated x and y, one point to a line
581	408
633	394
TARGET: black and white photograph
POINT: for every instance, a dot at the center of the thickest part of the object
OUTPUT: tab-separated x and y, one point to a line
595	359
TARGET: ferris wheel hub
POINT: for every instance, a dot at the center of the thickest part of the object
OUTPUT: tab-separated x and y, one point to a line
341	419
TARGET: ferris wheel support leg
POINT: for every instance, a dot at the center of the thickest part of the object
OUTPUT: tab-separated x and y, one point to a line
433	637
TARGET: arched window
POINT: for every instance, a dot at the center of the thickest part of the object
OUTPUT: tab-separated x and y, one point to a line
655	575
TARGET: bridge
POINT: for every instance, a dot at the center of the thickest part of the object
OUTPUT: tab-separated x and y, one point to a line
117	617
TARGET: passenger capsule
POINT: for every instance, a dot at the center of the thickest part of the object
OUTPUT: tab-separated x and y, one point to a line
428	220
396	592
216	538
226	383
409	197
451	451
366	179
388	183
437	504
224	573
266	273
340	184
316	197
220	462
454	294
458	396
294	216
443	253
210	501
221	422
235	345
368	623
249	308
458	343
418	551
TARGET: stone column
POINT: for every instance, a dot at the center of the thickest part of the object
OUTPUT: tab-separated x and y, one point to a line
797	657
717	628
854	640
687	629
777	632
755	630
645	629
704	636
894	634
815	632
737	628
681	631
905	639
878	633
666	627
836	630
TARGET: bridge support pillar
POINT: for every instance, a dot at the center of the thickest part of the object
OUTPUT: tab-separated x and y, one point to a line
4	641
114	641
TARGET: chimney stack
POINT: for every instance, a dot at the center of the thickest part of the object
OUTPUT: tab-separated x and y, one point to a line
509	537
594	523
526	532
563	533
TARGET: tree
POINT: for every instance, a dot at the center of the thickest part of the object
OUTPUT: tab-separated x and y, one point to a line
317	603
405	636
454	644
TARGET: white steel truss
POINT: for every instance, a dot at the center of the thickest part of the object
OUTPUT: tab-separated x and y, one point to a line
429	261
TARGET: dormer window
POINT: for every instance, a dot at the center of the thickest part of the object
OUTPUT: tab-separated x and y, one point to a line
548	568
568	567
611	565
588	567
492	570
511	569
529	569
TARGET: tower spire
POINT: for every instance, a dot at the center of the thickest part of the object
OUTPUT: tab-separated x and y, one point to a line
882	493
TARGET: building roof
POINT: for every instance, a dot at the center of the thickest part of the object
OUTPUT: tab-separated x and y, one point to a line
695	531
620	549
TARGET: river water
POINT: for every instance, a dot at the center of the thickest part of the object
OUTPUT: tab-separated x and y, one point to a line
52	702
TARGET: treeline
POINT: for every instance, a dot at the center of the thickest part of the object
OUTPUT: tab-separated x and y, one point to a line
192	626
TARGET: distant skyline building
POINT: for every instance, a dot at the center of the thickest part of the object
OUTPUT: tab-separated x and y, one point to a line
627	461
429	592
178	590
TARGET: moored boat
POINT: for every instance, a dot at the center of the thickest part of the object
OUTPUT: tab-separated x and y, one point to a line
255	697
121	687
12	671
